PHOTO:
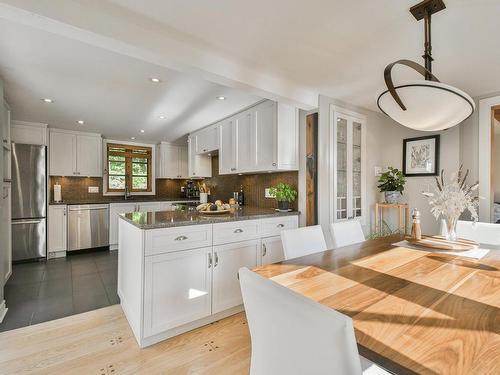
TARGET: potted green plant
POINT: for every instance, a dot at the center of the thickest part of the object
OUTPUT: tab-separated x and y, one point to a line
284	195
392	184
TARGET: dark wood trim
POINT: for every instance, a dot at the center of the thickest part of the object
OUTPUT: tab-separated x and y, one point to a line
312	169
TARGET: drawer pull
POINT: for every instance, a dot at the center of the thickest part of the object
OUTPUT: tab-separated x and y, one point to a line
216	260
209	260
238	230
280	226
264	250
181	238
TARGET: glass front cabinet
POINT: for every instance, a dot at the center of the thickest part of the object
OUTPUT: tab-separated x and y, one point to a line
347	157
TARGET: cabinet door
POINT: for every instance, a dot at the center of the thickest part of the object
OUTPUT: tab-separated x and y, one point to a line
265	134
57	228
116	209
228	162
198	165
228	259
183	162
170	161
88	155
62	154
177	289
245	142
207	140
271	250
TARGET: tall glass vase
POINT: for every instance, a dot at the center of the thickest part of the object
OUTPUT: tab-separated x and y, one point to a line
451	226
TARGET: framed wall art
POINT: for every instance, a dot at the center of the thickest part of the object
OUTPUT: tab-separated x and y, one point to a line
421	156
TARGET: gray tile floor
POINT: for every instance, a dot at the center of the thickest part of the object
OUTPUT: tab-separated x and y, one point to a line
42	291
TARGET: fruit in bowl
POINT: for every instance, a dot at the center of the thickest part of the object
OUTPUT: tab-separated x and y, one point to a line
212	207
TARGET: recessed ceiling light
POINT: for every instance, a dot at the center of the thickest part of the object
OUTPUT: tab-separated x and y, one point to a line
155	80
162	117
47	100
132	138
142	130
80	122
221	97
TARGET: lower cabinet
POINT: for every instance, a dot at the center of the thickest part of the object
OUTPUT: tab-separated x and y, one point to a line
177	289
116	209
227	260
57	228
271	250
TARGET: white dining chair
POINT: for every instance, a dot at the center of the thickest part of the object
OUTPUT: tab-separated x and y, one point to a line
487	234
346	233
294	335
303	241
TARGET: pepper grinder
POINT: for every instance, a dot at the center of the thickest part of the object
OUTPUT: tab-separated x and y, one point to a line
416	231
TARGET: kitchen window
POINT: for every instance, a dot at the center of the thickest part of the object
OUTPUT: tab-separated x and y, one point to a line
129	166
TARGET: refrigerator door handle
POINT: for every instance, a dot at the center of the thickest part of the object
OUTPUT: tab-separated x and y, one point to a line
19	222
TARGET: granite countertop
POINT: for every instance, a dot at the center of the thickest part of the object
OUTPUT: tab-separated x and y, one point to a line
167	219
115	199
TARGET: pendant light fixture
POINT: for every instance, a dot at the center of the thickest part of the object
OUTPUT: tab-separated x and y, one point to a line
426	105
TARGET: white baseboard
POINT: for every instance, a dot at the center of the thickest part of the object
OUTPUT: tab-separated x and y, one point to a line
56	254
3	310
113	247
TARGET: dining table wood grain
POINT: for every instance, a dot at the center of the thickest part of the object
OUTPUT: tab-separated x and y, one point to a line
414	311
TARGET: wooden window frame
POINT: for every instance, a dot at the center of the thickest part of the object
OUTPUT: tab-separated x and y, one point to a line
129	155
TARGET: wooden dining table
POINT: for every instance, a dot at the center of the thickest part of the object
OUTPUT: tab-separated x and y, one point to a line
414	311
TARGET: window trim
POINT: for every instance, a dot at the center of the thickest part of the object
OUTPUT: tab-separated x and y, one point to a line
151	167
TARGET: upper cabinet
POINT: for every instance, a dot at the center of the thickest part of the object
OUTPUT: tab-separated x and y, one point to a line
261	138
199	166
207	140
75	154
172	161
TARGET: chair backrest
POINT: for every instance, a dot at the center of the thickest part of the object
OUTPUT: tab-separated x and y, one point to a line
294	335
303	241
346	233
484	233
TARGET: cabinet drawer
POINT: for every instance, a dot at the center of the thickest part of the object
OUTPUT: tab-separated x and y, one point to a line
167	240
236	231
274	226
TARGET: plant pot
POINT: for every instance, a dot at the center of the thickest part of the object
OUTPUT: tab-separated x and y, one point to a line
392	197
283	205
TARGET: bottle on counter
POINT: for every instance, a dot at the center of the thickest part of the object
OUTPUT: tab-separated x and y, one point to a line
241	197
416	231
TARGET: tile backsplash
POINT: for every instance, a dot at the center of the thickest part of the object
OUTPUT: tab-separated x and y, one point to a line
76	189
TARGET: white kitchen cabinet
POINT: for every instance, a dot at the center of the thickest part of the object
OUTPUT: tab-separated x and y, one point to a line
271	250
148	206
5	230
347	157
228	162
6	142
177	289
167	206
199	166
207	140
32	133
89	155
228	259
57	228
172	161
262	138
116	209
75	154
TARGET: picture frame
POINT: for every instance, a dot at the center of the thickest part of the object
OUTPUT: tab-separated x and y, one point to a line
421	156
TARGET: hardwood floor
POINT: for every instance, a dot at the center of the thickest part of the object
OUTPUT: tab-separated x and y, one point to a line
100	342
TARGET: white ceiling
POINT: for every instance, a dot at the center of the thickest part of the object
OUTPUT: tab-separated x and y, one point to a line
340	47
289	50
110	92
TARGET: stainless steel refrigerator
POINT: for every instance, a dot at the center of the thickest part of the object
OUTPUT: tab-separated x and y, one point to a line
29	202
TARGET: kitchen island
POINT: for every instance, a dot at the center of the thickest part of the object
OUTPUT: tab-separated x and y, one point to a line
178	270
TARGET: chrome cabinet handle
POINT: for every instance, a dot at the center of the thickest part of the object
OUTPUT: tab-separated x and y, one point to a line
264	250
209	260
280	225
274	164
238	230
216	259
181	238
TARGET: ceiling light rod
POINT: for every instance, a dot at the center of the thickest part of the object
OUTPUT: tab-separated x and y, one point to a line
423	10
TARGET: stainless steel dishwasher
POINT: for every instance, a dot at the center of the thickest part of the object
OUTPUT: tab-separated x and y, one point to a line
88	226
